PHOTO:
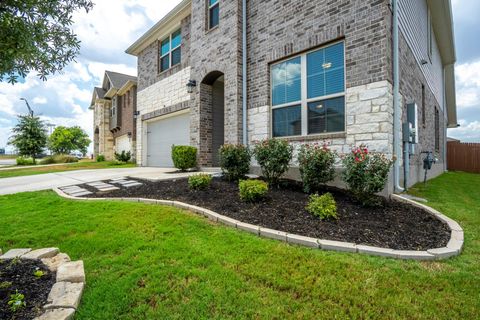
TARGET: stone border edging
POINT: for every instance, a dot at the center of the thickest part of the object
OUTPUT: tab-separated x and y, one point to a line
65	295
453	248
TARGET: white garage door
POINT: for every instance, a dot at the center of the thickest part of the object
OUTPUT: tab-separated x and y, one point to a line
162	134
122	143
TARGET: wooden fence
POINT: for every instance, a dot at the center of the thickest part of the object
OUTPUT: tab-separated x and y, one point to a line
463	156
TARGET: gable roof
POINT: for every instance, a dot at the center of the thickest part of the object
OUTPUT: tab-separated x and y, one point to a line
98	93
162	27
118	80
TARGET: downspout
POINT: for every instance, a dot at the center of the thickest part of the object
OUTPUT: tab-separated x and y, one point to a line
397	111
244	72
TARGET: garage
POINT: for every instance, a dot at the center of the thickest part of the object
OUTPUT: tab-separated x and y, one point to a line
122	143
162	134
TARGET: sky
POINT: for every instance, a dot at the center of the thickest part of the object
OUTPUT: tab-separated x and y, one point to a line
113	25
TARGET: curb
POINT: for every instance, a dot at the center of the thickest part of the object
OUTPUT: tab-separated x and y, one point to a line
64	297
453	248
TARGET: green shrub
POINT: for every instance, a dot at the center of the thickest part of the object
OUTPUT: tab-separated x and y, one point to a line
316	166
59	158
199	181
100	158
117	163
24	161
323	206
252	190
273	156
235	161
366	174
184	157
123	156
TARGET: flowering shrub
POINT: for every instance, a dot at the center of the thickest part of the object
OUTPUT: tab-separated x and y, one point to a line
235	161
199	181
323	206
366	174
316	166
273	156
252	190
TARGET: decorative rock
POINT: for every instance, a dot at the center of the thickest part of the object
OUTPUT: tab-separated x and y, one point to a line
57	314
64	295
55	262
15	253
41	254
301	240
382	252
414	255
71	272
337	246
273	234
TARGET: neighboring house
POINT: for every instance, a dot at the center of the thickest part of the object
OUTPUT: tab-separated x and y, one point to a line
114	121
315	71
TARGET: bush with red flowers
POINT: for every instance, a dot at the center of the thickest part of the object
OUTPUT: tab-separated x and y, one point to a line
366	174
316	165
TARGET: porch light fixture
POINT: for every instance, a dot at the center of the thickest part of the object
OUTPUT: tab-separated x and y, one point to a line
136	114
190	85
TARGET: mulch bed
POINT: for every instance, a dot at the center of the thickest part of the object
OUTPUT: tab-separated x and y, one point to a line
18	275
394	225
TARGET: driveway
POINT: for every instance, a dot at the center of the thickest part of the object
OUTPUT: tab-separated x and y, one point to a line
61	179
7	162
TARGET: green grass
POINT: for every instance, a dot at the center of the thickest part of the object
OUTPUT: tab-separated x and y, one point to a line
153	262
81	165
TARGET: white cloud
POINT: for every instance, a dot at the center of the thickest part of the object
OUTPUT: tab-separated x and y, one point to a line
467	132
40	100
468	84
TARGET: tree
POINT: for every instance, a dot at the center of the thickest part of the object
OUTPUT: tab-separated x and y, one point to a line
36	35
29	136
65	140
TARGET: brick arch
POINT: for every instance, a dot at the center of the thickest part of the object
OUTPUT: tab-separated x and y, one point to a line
211	109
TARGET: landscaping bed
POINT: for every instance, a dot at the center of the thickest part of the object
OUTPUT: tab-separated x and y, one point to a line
18	274
394	225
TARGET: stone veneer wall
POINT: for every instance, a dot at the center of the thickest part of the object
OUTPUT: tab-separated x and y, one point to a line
162	94
101	120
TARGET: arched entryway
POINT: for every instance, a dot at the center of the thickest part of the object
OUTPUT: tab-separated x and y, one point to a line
212	114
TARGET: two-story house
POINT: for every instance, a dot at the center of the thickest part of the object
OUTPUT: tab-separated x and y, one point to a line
348	72
114	107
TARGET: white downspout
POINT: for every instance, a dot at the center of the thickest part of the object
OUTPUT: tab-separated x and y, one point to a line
397	110
244	72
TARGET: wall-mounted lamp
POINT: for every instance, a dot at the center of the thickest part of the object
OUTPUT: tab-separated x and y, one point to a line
191	85
423	62
129	135
136	114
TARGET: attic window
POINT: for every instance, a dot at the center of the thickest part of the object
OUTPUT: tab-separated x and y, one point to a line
170	51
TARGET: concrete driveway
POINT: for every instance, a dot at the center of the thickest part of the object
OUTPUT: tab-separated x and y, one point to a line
61	179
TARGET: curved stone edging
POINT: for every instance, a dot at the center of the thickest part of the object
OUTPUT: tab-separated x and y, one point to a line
65	295
453	248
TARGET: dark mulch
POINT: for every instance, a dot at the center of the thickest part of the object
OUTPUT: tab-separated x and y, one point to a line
394	225
18	275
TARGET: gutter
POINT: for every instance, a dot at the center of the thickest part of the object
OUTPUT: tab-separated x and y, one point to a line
244	72
397	110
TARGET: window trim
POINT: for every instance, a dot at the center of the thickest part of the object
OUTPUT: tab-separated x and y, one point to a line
429	35
304	101
170	50
209	11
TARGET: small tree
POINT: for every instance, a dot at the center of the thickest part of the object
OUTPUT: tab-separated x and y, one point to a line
65	140
36	35
29	136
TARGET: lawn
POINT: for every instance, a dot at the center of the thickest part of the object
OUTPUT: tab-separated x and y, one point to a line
81	165
153	262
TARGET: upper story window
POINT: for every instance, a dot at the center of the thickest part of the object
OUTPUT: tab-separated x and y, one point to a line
213	13
171	51
308	93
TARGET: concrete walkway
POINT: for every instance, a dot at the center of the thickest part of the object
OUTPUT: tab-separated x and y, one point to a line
61	179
